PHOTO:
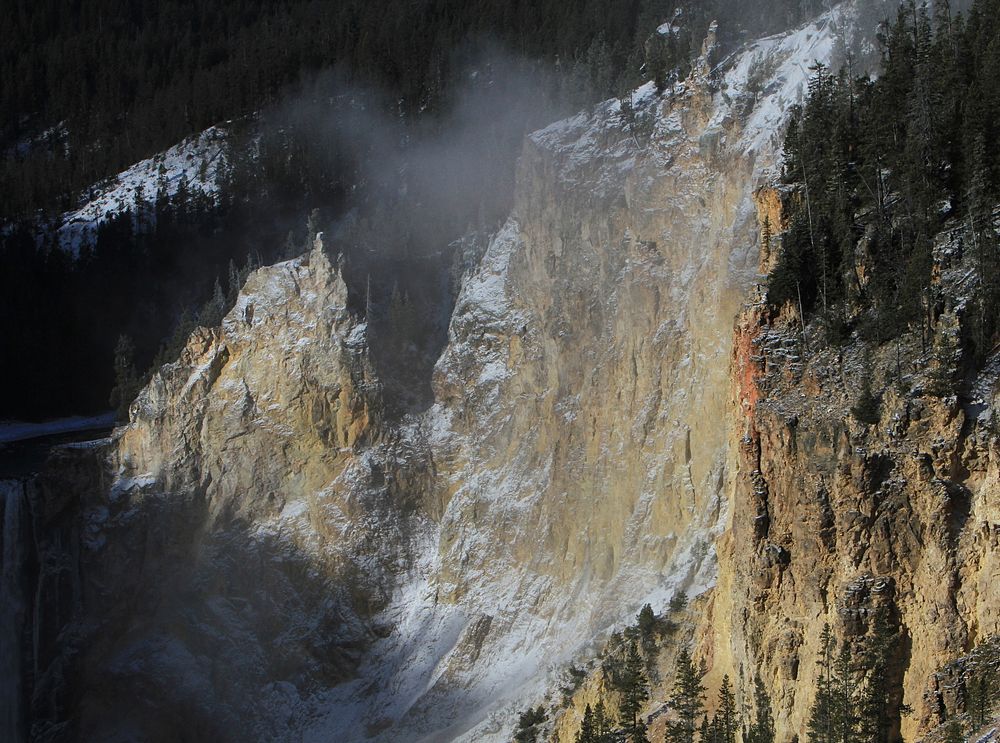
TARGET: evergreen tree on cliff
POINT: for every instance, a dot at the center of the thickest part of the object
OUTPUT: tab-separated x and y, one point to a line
634	688
727	717
844	691
706	733
876	697
687	701
981	689
587	734
820	729
762	730
528	725
603	725
890	160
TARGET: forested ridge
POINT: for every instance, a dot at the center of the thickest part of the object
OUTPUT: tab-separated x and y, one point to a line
879	167
91	87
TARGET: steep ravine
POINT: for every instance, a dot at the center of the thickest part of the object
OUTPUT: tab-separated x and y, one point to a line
263	554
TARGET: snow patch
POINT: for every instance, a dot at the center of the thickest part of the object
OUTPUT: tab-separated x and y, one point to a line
196	161
775	71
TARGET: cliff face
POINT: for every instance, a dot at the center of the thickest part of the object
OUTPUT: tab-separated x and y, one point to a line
581	431
226	549
834	520
885	529
582	463
261	554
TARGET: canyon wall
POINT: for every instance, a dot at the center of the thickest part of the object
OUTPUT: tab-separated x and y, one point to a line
835	520
263	554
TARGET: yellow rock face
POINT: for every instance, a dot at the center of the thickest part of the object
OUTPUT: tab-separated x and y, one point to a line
599	434
268	406
832	519
584	396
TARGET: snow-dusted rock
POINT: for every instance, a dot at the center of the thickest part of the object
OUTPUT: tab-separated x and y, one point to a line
274	561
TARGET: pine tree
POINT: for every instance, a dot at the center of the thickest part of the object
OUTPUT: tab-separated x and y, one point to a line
180	202
726	716
627	113
946	353
762	730
141	212
587	734
678	602
528	724
705	732
985	248
866	407
687	701
646	621
821	716
845	717
162	192
981	695
647	625
634	689
875	696
603	728
657	61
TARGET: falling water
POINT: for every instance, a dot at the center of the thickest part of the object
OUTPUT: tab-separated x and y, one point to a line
11	611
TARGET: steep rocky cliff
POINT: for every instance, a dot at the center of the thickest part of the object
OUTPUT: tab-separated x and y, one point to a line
226	550
262	554
834	520
581	428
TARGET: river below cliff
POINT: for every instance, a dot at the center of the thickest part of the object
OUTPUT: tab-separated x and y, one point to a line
24	447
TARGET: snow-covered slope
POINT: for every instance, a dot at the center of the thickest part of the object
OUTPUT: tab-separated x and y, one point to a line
196	161
774	72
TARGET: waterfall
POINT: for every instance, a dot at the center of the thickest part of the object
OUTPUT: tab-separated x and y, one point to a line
12	610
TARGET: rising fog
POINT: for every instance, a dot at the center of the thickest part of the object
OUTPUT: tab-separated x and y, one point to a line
422	192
